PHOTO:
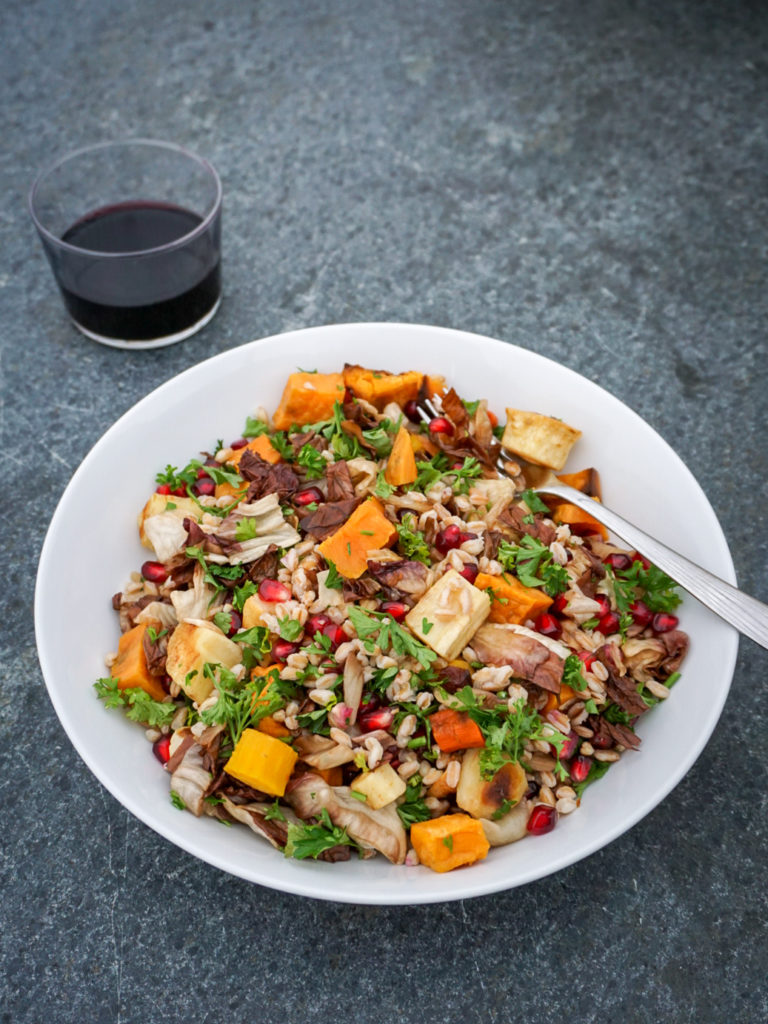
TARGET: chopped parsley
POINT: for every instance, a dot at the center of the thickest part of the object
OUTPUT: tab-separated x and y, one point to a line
448	841
312	840
413	808
572	675
534	502
312	460
334	580
254	427
382	488
390	636
177	801
290	629
411	542
137	703
533	564
240	705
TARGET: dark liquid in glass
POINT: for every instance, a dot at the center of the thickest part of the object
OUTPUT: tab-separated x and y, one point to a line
190	281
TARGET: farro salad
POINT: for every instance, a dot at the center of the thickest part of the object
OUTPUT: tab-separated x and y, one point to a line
355	636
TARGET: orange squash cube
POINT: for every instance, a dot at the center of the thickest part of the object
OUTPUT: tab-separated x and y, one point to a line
512	602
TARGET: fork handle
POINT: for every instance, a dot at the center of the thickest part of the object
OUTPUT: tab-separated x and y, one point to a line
746	614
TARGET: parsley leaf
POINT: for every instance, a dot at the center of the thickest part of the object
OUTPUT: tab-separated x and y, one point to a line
240	706
533	564
391	635
413	808
254	427
382	488
274	813
534	502
311	459
572	673
177	801
290	629
412	543
137	703
334	580
245	529
312	840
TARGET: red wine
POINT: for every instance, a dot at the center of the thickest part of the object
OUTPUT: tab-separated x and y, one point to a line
138	293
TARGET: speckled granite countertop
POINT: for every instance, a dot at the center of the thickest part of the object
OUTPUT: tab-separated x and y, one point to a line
588	181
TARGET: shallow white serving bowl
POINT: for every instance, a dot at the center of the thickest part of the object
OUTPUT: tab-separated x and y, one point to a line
92	545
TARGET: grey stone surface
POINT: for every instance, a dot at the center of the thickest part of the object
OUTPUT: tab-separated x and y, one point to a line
586	180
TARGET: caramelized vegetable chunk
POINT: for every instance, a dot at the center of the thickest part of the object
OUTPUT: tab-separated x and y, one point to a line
262	762
401	464
307	398
379	387
512	601
261	445
367	529
449	842
455	730
130	668
540	439
580	522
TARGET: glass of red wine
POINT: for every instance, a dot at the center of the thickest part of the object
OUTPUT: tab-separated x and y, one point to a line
132	230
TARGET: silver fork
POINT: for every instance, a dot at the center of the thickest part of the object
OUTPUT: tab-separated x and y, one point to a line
746	614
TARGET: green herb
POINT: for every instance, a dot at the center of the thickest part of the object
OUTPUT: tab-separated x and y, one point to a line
650	585
153	635
312	506
311	459
672	679
366	533
618	716
241	594
572	673
498	431
382	488
590	624
312	840
239	705
438	468
213	573
380	440
170	505
532	563
137	703
426	626
349	548
504	808
412	543
358	796
223	620
177	801
281	444
222	475
290	629
471	407
334	580
177	478
534	502
590	707
254	427
274	813
382	678
305	371
413	808
256	643
448	841
390	635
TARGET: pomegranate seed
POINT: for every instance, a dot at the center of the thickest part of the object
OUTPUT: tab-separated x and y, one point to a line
380	718
163	489
560	603
663	623
411	410
542	820
605	604
335	634
204	485
281	649
641	613
440	425
469	572
308	495
162	749
587	658
396	609
235	623
548	625
273	591
568	749
201	474
448	539
241	442
642	560
579	768
618	561
457	465
468	536
316	624
370	702
180	492
609	623
154	572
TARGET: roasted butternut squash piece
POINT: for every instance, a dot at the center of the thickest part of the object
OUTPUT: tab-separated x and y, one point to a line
554	700
580	522
379	387
262	762
261	445
367	529
455	730
512	601
269	724
401	464
449	842
307	398
333	776
422	446
130	668
586	480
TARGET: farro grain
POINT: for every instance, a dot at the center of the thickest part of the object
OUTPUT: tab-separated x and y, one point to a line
657	689
546	796
452	773
599	671
607	755
586	748
566	806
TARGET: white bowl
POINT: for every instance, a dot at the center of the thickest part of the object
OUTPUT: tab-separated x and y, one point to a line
92	546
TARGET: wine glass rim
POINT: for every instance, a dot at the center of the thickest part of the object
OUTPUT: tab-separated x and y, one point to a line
177	243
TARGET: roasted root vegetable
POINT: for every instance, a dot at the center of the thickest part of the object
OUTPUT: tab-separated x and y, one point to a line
260	446
449	842
483	798
580	521
130	667
269	723
455	730
308	398
537	438
512	601
379	387
379	787
367	529
401	464
191	646
449	614
262	762
164	504
585	480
